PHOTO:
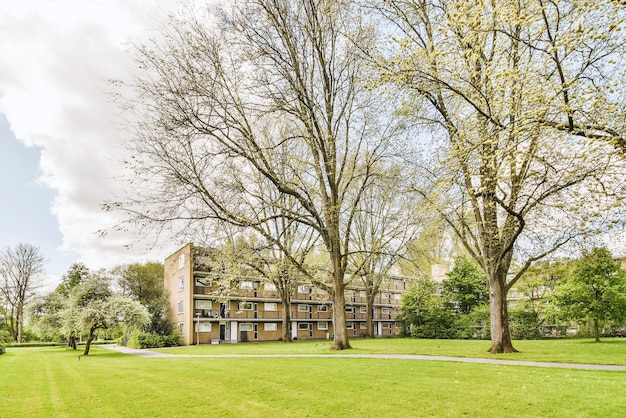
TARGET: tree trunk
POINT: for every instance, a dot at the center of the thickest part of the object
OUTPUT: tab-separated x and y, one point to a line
500	335
286	319
340	333
20	323
12	326
72	341
92	332
369	306
596	330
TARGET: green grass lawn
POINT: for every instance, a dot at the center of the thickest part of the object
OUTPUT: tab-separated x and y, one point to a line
51	382
607	351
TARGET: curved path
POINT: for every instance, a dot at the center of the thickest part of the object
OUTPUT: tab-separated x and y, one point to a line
155	354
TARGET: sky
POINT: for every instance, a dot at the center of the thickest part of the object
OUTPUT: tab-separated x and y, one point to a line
60	141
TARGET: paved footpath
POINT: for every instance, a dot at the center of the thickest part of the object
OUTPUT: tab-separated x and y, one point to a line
155	354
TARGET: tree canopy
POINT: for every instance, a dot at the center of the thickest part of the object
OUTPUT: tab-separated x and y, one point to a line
524	103
595	291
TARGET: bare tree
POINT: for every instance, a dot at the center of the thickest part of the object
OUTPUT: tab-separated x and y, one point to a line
384	227
20	271
518	94
262	87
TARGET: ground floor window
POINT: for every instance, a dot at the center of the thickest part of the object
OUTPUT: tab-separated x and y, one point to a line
349	325
203	327
246	326
362	325
303	326
322	326
270	326
181	328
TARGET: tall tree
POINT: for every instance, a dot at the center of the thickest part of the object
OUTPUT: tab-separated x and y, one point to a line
595	291
384	227
76	274
20	271
261	87
517	94
146	284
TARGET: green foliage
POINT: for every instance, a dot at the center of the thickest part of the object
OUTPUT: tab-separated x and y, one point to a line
524	324
595	291
140	339
75	276
422	313
476	324
466	286
145	283
46	316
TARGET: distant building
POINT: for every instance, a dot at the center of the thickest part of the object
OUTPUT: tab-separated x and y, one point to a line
209	308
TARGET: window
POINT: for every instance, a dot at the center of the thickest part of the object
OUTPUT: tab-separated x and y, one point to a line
362	325
246	285
203	327
203	281
270	326
181	306
322	326
181	261
303	289
398	325
246	326
397	296
245	306
363	309
363	294
181	328
303	326
384	295
204	304
350	309
349	325
385	311
181	283
322	308
270	287
303	308
271	306
386	325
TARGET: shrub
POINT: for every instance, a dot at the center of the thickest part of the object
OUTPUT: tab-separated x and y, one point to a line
438	323
1	350
475	325
140	339
524	324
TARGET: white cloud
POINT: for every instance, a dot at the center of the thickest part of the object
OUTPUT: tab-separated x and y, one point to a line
56	58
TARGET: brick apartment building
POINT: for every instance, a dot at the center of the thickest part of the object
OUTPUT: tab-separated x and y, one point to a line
247	308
